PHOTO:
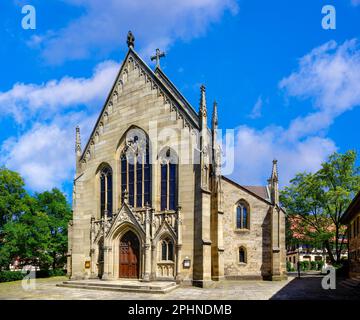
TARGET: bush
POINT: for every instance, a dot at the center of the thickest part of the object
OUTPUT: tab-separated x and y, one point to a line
313	265
50	273
288	266
320	264
6	276
304	265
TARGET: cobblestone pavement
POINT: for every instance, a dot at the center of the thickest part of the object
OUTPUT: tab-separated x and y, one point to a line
305	288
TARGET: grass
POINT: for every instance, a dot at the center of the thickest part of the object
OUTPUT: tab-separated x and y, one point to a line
14	289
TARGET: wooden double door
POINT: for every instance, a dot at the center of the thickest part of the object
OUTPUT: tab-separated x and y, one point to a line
129	256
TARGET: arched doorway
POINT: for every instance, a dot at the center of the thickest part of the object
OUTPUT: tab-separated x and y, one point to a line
129	256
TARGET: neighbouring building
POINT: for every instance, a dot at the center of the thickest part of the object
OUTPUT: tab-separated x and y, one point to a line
303	249
306	252
149	199
351	218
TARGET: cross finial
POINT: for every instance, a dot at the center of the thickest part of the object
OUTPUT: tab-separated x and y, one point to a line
157	57
130	40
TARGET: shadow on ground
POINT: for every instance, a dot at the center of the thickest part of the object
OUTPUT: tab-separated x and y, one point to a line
308	287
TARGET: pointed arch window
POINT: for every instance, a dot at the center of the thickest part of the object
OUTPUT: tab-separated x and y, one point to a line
167	250
242	255
106	193
242	215
169	177
135	169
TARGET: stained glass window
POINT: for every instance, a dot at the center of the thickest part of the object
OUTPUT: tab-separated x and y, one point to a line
106	196
242	216
168	180
136	173
163	186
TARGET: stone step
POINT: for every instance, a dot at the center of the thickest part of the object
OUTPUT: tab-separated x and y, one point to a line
120	287
352	283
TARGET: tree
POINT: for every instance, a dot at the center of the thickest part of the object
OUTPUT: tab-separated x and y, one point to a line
58	212
319	199
12	194
33	229
27	237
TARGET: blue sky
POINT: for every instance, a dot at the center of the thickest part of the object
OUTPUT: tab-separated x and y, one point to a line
289	88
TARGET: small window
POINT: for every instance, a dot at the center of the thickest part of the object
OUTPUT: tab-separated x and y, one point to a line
242	255
167	250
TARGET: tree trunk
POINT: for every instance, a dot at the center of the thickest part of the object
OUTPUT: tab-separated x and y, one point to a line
329	251
54	261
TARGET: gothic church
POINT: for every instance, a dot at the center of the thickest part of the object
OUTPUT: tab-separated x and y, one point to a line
149	200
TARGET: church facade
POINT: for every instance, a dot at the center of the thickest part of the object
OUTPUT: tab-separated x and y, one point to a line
149	200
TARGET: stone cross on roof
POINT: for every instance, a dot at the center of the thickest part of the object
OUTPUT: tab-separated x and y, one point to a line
157	57
130	40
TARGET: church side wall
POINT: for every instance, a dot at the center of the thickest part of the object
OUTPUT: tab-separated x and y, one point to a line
256	240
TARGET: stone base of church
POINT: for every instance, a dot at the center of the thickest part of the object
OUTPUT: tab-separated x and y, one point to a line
203	283
278	277
244	277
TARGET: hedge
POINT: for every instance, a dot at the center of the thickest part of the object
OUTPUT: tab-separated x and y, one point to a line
6	276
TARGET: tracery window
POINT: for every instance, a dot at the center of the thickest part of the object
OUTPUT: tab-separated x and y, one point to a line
106	195
167	250
242	215
135	170
169	176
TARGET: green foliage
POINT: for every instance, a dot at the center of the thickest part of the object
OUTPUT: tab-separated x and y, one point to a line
12	193
50	273
33	229
304	265
288	266
319	199
313	265
6	276
319	264
58	211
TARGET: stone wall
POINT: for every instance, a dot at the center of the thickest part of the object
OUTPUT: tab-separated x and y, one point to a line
256	240
136	103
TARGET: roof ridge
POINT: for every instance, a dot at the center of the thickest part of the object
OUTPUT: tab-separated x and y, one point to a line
177	92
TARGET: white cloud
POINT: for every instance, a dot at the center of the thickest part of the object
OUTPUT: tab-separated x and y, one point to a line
104	25
45	154
256	110
255	149
329	77
27	101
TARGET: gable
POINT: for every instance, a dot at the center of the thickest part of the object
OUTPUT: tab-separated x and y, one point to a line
183	110
258	192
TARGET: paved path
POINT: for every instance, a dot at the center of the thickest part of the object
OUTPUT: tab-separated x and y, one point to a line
305	288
